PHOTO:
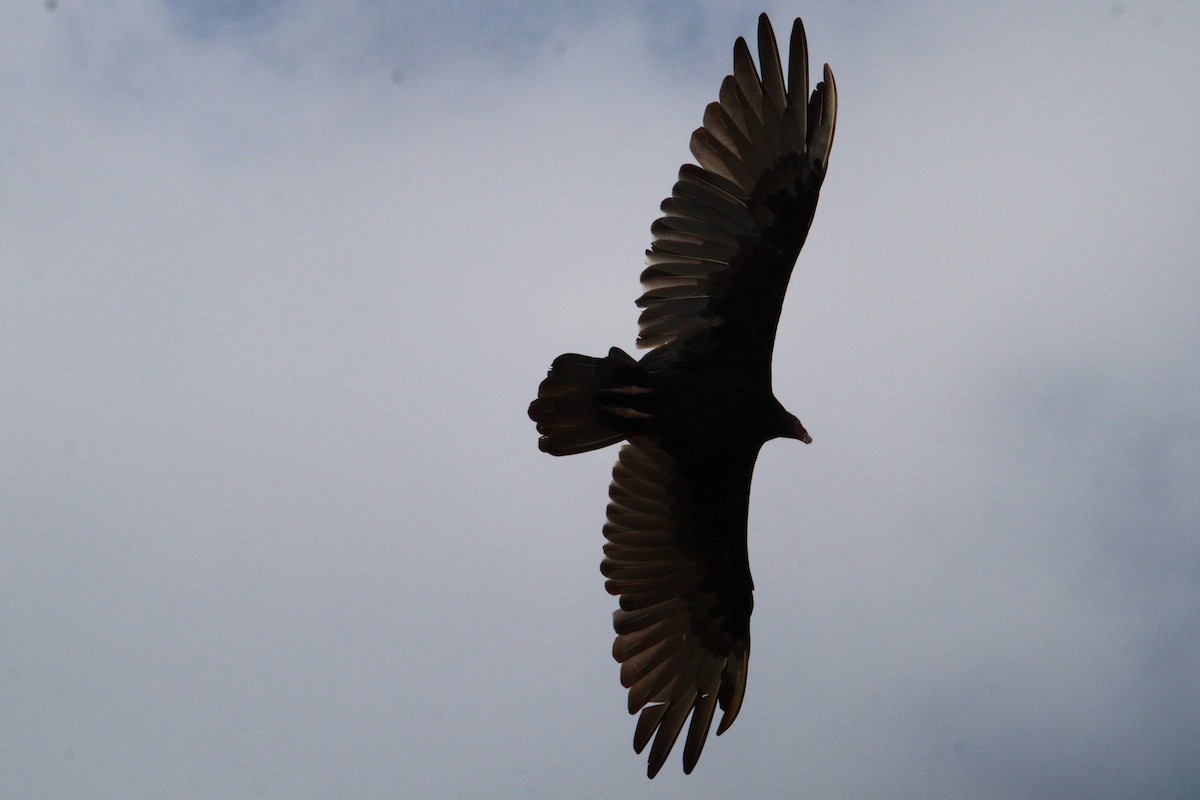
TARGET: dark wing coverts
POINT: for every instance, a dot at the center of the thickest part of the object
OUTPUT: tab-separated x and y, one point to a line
732	227
718	269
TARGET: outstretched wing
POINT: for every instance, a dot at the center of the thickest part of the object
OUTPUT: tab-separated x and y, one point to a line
676	555
733	226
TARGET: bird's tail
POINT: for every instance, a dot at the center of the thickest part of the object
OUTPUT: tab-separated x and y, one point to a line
586	403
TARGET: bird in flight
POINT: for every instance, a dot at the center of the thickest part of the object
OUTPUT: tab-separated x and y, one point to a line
697	408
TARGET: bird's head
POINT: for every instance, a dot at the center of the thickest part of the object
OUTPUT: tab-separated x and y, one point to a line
792	429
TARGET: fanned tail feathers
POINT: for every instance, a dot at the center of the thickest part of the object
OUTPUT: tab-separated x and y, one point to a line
586	403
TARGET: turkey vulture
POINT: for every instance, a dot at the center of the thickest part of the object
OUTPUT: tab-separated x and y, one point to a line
697	408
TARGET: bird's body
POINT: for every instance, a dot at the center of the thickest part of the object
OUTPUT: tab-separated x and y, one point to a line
697	409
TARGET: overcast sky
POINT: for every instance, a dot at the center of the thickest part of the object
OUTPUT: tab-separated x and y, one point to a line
278	281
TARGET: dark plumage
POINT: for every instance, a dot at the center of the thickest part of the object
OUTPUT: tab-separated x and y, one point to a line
698	407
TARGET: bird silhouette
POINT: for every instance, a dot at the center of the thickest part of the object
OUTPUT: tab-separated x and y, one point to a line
697	408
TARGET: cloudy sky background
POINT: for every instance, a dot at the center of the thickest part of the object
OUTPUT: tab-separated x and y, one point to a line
278	280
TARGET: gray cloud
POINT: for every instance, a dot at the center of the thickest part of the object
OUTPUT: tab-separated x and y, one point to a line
278	288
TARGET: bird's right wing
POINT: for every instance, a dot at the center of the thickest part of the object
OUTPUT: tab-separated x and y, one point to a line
676	555
724	249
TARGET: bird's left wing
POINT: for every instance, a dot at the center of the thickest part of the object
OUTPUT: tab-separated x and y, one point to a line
676	555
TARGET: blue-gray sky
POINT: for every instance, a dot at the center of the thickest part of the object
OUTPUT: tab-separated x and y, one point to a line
278	280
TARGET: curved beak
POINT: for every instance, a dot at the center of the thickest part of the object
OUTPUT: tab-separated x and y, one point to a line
796	431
